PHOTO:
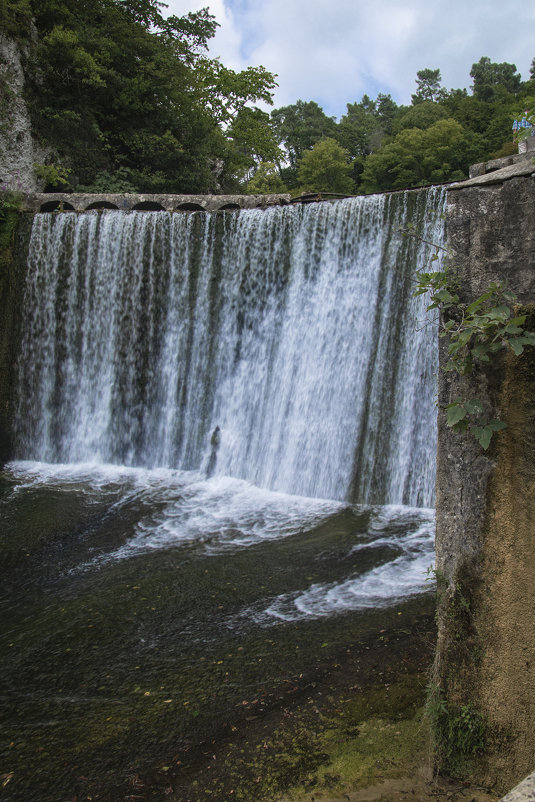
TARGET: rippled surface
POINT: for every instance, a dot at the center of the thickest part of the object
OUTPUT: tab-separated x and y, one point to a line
143	608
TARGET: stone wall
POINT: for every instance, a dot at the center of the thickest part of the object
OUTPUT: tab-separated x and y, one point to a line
485	538
81	202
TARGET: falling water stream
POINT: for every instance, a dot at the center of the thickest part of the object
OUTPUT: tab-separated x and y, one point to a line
225	434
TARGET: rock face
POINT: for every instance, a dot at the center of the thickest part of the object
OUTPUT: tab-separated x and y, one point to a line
18	151
485	538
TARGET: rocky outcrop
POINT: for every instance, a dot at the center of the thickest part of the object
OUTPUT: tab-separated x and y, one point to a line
18	150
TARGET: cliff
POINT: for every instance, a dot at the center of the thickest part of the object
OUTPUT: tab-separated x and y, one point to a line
18	150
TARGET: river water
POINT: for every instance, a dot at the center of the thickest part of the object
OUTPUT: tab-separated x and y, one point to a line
225	470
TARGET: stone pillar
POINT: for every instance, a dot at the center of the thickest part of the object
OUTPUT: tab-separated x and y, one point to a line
483	699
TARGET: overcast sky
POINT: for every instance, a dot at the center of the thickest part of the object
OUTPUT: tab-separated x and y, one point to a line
334	51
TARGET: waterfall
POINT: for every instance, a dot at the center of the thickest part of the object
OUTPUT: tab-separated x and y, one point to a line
294	330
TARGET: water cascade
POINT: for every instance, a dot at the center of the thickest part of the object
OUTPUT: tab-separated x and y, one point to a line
294	330
225	450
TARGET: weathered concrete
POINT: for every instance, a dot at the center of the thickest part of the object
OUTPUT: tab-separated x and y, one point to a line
81	202
506	161
524	792
485	539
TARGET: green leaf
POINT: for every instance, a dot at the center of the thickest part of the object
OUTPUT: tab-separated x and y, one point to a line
501	312
456	412
464	337
480	350
483	435
516	346
512	329
518	321
471	308
474	406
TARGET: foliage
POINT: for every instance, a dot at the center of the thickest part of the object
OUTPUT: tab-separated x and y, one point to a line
252	141
10	205
460	733
423	115
53	176
119	181
15	18
415	157
428	86
298	127
476	333
325	168
112	84
10	201
489	77
266	180
359	129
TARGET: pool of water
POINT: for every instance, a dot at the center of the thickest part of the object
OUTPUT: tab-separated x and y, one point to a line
146	611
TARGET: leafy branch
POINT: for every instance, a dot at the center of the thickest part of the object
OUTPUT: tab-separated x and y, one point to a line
476	333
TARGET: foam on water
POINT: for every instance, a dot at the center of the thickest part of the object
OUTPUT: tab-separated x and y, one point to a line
384	585
180	508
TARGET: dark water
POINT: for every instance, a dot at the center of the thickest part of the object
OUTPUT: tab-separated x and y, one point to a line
145	611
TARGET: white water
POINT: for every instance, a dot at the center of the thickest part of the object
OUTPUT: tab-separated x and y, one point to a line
294	330
162	509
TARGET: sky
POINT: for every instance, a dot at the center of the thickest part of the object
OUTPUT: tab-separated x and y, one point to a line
334	51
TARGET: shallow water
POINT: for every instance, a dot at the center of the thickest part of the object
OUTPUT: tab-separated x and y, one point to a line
144	610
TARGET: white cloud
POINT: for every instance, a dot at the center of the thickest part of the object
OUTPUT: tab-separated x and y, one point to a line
334	51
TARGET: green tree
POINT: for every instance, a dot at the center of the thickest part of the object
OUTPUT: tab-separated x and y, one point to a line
325	168
415	157
428	86
423	115
15	18
359	129
489	77
113	84
386	112
251	141
266	180
299	126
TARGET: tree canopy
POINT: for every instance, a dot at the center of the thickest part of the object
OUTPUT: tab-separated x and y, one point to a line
122	97
325	168
113	84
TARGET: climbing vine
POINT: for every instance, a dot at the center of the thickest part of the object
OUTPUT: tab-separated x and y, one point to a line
476	333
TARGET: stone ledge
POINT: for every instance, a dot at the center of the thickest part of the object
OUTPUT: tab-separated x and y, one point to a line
524	792
82	202
513	167
506	161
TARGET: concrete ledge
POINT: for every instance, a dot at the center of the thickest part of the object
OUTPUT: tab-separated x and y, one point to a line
525	792
498	164
523	165
82	202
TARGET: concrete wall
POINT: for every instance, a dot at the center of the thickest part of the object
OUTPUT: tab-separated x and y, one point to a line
485	538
